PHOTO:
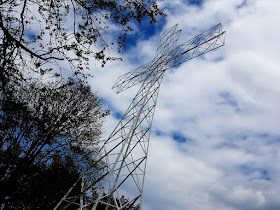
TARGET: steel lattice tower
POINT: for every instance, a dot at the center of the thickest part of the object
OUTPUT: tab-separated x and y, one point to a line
125	151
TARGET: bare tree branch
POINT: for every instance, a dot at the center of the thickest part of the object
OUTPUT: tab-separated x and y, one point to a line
18	43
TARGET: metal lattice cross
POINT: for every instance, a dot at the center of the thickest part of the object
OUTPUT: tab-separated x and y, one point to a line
126	149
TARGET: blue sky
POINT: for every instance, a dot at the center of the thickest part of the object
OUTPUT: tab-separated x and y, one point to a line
215	141
144	31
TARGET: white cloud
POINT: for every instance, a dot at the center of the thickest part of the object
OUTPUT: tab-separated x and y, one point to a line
207	171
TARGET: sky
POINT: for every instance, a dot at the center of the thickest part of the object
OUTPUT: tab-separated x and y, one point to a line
215	141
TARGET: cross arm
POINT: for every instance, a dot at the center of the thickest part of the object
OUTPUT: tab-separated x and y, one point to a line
131	78
168	56
203	43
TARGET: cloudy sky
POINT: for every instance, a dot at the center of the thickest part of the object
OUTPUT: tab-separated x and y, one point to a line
215	141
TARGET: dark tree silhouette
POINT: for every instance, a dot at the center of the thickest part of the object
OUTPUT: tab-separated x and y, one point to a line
44	185
41	123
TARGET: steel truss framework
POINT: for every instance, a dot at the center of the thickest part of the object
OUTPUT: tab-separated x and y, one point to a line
126	149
